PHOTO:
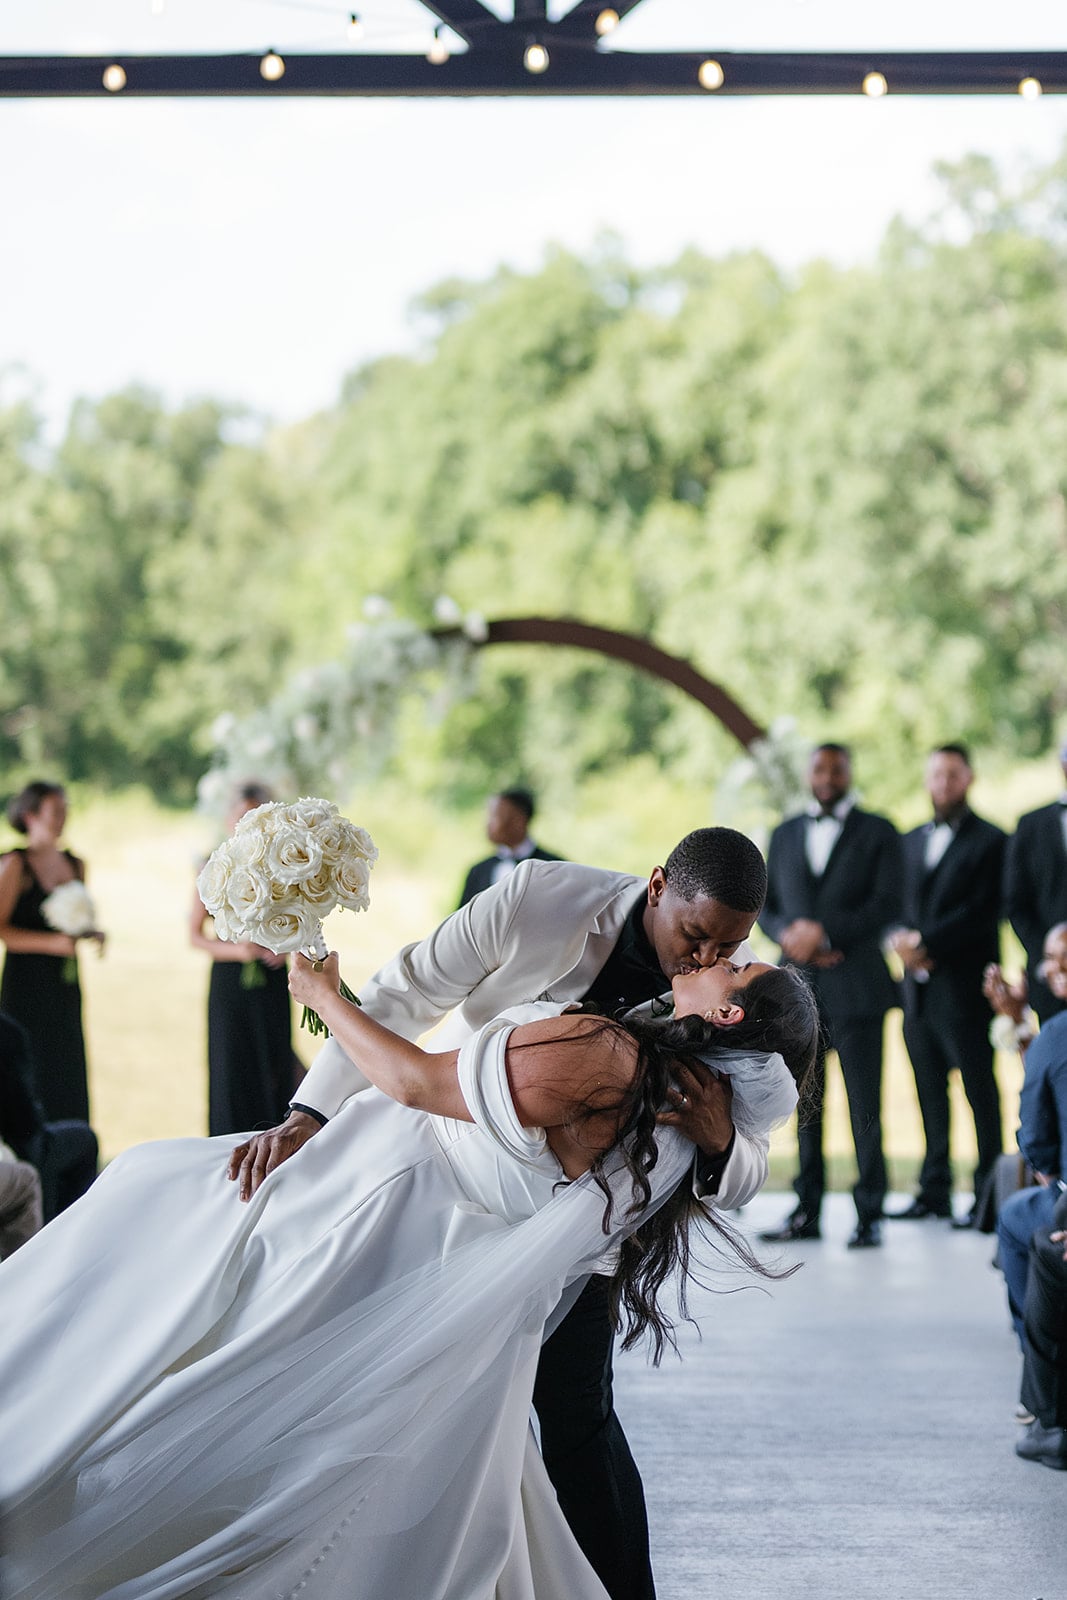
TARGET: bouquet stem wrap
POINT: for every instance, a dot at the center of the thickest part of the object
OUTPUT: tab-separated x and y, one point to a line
311	1020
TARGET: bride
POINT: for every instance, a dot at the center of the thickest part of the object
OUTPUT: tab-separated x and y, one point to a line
324	1393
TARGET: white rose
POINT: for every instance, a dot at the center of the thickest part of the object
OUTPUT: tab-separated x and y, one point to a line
292	856
320	891
286	930
211	884
352	884
248	846
308	812
359	842
248	899
446	611
332	839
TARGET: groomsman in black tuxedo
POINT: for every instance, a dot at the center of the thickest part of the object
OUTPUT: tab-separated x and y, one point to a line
834	886
507	825
1035	888
952	882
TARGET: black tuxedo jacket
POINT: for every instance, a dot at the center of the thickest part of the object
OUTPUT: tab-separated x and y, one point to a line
480	875
856	899
1035	878
956	909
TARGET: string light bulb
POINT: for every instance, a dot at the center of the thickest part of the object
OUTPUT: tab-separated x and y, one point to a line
535	57
875	86
1030	88
438	53
272	67
607	21
114	78
710	75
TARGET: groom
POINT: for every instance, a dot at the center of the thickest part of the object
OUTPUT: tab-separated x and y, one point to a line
557	931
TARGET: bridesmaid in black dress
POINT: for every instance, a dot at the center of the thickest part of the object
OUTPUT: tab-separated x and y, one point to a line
40	987
249	1046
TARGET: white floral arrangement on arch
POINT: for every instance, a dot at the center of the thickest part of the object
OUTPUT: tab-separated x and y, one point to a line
332	720
280	874
69	909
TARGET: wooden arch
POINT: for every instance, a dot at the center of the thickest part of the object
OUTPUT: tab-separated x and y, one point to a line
629	648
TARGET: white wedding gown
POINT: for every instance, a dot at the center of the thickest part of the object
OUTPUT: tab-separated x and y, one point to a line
323	1393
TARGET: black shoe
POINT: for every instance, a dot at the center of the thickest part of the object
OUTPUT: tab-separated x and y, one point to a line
865	1236
918	1210
1047	1445
798	1225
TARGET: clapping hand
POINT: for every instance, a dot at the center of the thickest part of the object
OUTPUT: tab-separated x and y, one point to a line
1007	999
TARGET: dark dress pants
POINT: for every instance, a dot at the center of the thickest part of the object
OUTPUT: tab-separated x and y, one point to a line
941	1036
1044	1385
65	1154
858	1042
585	1451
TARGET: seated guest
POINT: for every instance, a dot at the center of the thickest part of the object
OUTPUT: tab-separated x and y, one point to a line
1035	888
507	825
20	1201
63	1153
1042	1117
1044	1386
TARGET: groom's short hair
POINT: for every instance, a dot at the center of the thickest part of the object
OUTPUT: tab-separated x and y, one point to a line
719	863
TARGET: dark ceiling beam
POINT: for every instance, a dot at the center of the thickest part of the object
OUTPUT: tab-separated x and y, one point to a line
580	21
467	18
575	69
530	13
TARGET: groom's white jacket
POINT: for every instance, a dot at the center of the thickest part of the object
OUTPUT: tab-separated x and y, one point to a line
542	933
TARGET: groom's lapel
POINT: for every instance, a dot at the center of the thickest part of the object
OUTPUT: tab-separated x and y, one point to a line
600	941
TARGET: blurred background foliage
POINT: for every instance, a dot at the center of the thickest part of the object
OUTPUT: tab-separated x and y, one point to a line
840	493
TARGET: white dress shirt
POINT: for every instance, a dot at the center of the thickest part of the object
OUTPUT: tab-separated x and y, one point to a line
823	831
507	860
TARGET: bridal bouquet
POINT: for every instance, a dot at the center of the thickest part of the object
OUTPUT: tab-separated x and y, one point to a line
283	869
69	909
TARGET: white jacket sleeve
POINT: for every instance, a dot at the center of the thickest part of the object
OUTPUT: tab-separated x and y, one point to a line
743	1176
420	985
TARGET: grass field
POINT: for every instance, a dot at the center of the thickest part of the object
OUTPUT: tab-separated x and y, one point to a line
145	1001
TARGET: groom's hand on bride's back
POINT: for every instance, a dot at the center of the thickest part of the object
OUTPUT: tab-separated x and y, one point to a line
252	1161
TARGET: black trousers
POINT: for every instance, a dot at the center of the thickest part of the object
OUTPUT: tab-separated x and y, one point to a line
858	1042
940	1038
585	1451
65	1155
1044	1385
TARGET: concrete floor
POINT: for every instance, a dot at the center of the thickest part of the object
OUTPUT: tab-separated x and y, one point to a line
846	1433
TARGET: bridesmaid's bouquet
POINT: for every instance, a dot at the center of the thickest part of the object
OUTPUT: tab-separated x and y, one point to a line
69	909
283	869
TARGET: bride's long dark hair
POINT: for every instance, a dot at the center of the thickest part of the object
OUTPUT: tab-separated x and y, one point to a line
780	1015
